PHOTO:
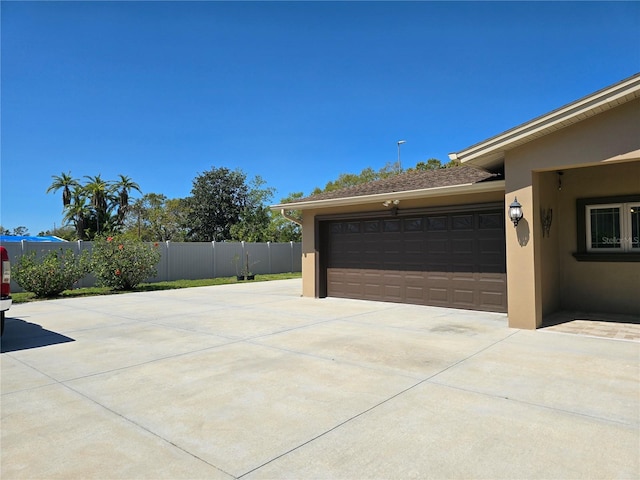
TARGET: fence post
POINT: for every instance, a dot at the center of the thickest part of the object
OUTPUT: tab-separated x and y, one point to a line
244	253
80	283
269	253
291	244
168	268
213	245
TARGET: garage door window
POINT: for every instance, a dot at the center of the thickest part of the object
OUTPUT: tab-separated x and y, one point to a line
436	224
392	225
372	226
413	225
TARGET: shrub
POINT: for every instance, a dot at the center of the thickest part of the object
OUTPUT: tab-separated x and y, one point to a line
54	273
122	263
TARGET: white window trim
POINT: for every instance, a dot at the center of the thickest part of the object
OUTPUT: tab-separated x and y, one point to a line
625	240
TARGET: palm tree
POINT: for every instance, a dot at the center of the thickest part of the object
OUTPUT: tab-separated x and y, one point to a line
65	182
99	192
77	212
122	188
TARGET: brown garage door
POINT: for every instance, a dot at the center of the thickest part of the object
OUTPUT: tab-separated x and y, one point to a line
441	259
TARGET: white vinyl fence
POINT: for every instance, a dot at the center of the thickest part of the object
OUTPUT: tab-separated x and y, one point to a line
187	260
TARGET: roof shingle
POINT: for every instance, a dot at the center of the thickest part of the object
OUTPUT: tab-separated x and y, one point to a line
407	181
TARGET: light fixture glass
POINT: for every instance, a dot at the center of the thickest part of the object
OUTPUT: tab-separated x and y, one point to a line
515	212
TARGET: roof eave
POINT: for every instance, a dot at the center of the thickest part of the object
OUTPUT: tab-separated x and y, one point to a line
481	187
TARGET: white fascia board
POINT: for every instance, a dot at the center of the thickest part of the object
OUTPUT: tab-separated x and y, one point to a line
552	121
467	188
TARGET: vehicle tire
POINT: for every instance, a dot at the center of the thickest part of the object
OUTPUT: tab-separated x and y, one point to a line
1	322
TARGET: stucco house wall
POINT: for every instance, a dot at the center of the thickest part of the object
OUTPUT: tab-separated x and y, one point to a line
596	286
543	276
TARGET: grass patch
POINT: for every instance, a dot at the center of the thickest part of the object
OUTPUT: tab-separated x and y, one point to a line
24	297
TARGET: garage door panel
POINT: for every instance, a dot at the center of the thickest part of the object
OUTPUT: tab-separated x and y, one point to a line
462	246
414	246
490	268
455	260
335	283
373	284
415	294
488	246
492	301
462	268
436	246
415	287
395	278
463	298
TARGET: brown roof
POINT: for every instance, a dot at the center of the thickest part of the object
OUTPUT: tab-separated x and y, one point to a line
413	180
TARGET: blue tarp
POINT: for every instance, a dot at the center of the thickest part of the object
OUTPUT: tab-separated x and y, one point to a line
27	238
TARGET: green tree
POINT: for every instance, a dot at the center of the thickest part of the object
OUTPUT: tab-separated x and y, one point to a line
78	213
255	219
154	217
100	197
435	164
368	174
123	187
89	207
65	182
431	164
218	200
283	229
452	163
21	230
65	232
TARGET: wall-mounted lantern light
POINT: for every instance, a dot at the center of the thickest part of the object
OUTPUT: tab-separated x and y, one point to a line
515	212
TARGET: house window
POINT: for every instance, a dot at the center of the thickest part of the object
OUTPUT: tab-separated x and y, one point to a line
608	229
613	227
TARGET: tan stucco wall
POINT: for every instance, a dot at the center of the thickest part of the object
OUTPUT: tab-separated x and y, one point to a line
595	286
542	274
523	294
550	268
310	258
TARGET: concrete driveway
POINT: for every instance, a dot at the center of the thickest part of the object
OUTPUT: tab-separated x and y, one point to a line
253	381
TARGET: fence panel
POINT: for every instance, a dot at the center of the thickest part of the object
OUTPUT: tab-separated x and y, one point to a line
162	268
187	260
284	256
190	261
228	258
256	256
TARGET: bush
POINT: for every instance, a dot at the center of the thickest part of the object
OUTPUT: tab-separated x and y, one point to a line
121	263
54	273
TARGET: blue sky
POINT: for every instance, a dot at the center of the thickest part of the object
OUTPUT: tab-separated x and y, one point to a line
296	92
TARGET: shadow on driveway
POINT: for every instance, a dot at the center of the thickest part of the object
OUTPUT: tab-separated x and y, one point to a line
22	335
